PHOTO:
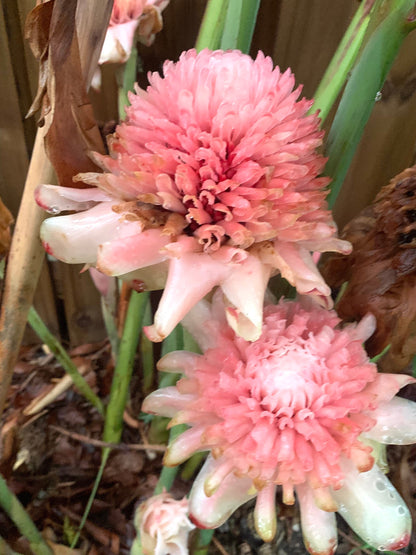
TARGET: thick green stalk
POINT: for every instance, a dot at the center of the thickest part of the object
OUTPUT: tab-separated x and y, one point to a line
212	25
239	24
366	81
337	72
122	373
64	359
129	77
22	520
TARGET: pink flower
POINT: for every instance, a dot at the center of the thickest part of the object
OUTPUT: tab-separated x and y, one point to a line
212	180
163	526
298	408
127	17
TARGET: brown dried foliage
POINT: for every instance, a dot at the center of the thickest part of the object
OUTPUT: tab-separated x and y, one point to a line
62	92
6	220
381	271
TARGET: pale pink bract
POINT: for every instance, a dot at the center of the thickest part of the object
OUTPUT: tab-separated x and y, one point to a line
212	180
297	408
127	18
162	526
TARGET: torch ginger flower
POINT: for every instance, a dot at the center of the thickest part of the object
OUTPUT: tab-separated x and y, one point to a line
296	408
163	526
127	17
212	180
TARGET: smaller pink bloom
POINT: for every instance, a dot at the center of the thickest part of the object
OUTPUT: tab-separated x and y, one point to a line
298	408
163	526
127	17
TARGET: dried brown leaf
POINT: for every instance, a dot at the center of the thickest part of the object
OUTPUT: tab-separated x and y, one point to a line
72	131
6	220
381	271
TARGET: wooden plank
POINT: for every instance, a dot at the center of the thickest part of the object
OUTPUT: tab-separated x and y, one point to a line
13	152
80	303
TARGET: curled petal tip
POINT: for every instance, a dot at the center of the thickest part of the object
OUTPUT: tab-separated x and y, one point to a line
153	334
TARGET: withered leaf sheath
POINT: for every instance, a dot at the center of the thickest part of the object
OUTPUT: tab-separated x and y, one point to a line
381	271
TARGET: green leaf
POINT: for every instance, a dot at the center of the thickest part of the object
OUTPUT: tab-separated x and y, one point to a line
366	81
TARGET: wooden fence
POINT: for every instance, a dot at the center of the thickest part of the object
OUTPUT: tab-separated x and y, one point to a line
301	34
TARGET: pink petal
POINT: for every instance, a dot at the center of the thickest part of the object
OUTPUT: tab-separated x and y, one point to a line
244	288
184	446
124	255
190	278
296	265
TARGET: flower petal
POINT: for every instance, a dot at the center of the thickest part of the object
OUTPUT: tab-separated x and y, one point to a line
319	528
211	512
265	513
373	508
190	278
296	264
396	422
178	361
75	238
56	199
127	254
244	288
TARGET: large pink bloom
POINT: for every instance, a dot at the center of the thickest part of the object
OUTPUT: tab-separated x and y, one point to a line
212	180
297	408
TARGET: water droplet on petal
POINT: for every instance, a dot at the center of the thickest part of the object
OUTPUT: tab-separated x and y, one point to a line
378	97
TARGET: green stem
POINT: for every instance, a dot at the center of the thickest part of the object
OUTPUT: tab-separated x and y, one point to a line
22	520
337	72
64	359
128	80
202	541
168	474
146	352
239	24
104	459
366	81
113	425
191	465
122	373
212	25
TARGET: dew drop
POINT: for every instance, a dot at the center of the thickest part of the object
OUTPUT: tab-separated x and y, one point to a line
53	210
401	510
391	495
378	97
381	486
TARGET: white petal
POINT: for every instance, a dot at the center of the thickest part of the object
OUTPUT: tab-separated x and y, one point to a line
396	422
265	513
244	288
56	199
198	323
166	402
373	508
178	361
75	238
211	512
319	528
